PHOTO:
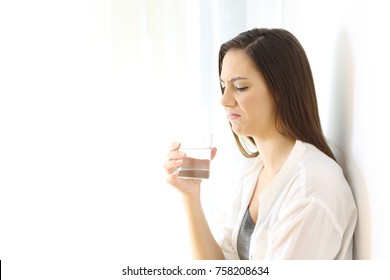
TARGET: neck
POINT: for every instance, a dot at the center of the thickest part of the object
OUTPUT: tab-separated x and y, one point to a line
274	151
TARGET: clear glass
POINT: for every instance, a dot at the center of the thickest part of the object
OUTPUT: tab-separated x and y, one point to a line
196	164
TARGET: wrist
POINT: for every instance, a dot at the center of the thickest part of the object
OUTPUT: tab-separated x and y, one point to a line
191	199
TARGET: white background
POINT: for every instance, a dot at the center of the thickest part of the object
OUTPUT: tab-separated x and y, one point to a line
93	92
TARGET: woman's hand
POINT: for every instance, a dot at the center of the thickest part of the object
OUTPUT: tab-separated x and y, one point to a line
188	187
203	242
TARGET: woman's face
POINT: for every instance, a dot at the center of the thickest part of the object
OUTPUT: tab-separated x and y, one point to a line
246	98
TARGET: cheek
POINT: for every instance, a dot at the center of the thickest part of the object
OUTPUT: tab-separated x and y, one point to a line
260	108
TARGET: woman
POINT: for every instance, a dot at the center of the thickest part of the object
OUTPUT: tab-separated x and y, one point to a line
292	200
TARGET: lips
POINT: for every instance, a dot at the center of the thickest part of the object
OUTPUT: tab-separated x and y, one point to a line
233	116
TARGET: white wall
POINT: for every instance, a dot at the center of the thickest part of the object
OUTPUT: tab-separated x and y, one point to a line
348	48
91	95
90	89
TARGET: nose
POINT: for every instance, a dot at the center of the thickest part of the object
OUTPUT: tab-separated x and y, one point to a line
227	99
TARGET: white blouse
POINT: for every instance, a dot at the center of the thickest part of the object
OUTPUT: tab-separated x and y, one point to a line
306	212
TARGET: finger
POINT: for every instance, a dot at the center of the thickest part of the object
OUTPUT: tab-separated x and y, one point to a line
172	165
176	155
213	152
172	177
174	147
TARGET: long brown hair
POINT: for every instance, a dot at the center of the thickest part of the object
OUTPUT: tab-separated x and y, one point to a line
283	62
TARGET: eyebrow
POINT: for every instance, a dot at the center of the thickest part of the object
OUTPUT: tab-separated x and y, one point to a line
232	80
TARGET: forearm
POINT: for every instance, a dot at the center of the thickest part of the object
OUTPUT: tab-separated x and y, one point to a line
204	245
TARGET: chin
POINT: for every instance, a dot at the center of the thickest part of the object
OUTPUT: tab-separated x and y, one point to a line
239	131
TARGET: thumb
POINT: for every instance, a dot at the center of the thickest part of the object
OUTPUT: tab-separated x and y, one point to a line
213	152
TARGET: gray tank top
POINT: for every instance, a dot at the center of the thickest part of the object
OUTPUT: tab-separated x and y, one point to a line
244	236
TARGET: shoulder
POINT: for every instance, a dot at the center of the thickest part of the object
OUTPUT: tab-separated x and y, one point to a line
321	177
318	167
317	183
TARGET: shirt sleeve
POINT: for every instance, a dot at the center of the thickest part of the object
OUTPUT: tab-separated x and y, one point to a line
306	230
227	221
225	228
225	242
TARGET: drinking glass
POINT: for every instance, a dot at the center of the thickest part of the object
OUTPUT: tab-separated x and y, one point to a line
196	163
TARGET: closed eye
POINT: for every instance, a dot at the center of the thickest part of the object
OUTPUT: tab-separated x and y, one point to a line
241	89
